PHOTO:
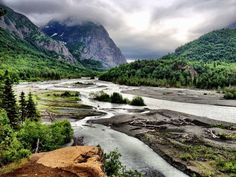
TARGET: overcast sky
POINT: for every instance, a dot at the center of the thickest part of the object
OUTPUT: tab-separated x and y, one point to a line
141	28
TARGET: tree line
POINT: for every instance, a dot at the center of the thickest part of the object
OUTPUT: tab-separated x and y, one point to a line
17	114
173	72
21	131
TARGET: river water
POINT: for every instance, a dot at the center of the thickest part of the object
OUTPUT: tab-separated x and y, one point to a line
135	154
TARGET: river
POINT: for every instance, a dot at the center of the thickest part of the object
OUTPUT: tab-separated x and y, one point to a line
135	154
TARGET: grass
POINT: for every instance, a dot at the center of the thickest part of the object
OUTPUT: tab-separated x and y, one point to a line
214	160
64	104
13	166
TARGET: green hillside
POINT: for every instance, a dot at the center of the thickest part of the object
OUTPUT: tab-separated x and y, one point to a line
208	62
216	45
174	73
26	62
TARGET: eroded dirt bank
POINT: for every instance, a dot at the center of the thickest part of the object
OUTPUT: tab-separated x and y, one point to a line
195	145
82	161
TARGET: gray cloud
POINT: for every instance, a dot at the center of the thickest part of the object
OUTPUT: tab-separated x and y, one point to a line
141	28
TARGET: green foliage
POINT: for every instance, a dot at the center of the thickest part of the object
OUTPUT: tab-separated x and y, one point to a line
227	167
50	137
171	72
26	62
137	101
69	94
92	64
117	98
230	93
11	148
216	45
102	96
31	109
23	107
9	103
114	167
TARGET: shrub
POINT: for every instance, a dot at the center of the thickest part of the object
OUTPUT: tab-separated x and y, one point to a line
137	101
11	148
117	98
66	94
101	96
114	167
50	137
227	167
230	93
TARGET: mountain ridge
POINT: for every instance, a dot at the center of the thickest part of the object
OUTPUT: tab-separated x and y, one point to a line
86	40
19	25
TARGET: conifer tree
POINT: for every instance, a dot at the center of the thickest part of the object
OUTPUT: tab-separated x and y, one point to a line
23	109
9	103
31	109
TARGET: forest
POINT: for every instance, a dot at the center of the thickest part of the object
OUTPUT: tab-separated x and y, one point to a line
205	63
25	62
174	73
21	130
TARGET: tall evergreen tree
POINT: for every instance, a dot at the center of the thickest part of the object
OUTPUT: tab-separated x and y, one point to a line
23	107
9	103
31	109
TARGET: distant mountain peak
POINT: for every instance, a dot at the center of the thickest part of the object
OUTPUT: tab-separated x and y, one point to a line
86	40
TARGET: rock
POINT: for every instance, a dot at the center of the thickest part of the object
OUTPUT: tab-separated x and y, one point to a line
83	161
20	26
86	41
76	161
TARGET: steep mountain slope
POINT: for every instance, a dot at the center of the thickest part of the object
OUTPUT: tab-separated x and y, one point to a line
216	45
28	58
20	26
86	41
26	62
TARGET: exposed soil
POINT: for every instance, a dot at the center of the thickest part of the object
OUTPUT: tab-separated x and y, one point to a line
78	161
32	168
194	145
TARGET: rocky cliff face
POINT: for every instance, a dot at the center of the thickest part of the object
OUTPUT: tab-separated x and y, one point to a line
22	27
87	41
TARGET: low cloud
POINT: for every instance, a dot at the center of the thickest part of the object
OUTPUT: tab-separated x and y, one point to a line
142	29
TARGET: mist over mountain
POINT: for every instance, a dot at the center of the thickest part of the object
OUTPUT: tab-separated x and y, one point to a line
86	41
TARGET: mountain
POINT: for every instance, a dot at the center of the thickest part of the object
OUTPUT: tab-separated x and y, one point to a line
20	26
28	54
216	45
86	41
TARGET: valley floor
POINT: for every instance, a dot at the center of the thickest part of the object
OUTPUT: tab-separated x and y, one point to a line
197	96
192	144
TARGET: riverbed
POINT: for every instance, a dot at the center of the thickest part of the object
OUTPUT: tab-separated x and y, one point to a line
135	154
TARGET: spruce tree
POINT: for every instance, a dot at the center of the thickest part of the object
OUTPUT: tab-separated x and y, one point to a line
9	103
23	110
31	109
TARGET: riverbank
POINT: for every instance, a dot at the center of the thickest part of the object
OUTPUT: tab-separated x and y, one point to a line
192	144
210	97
